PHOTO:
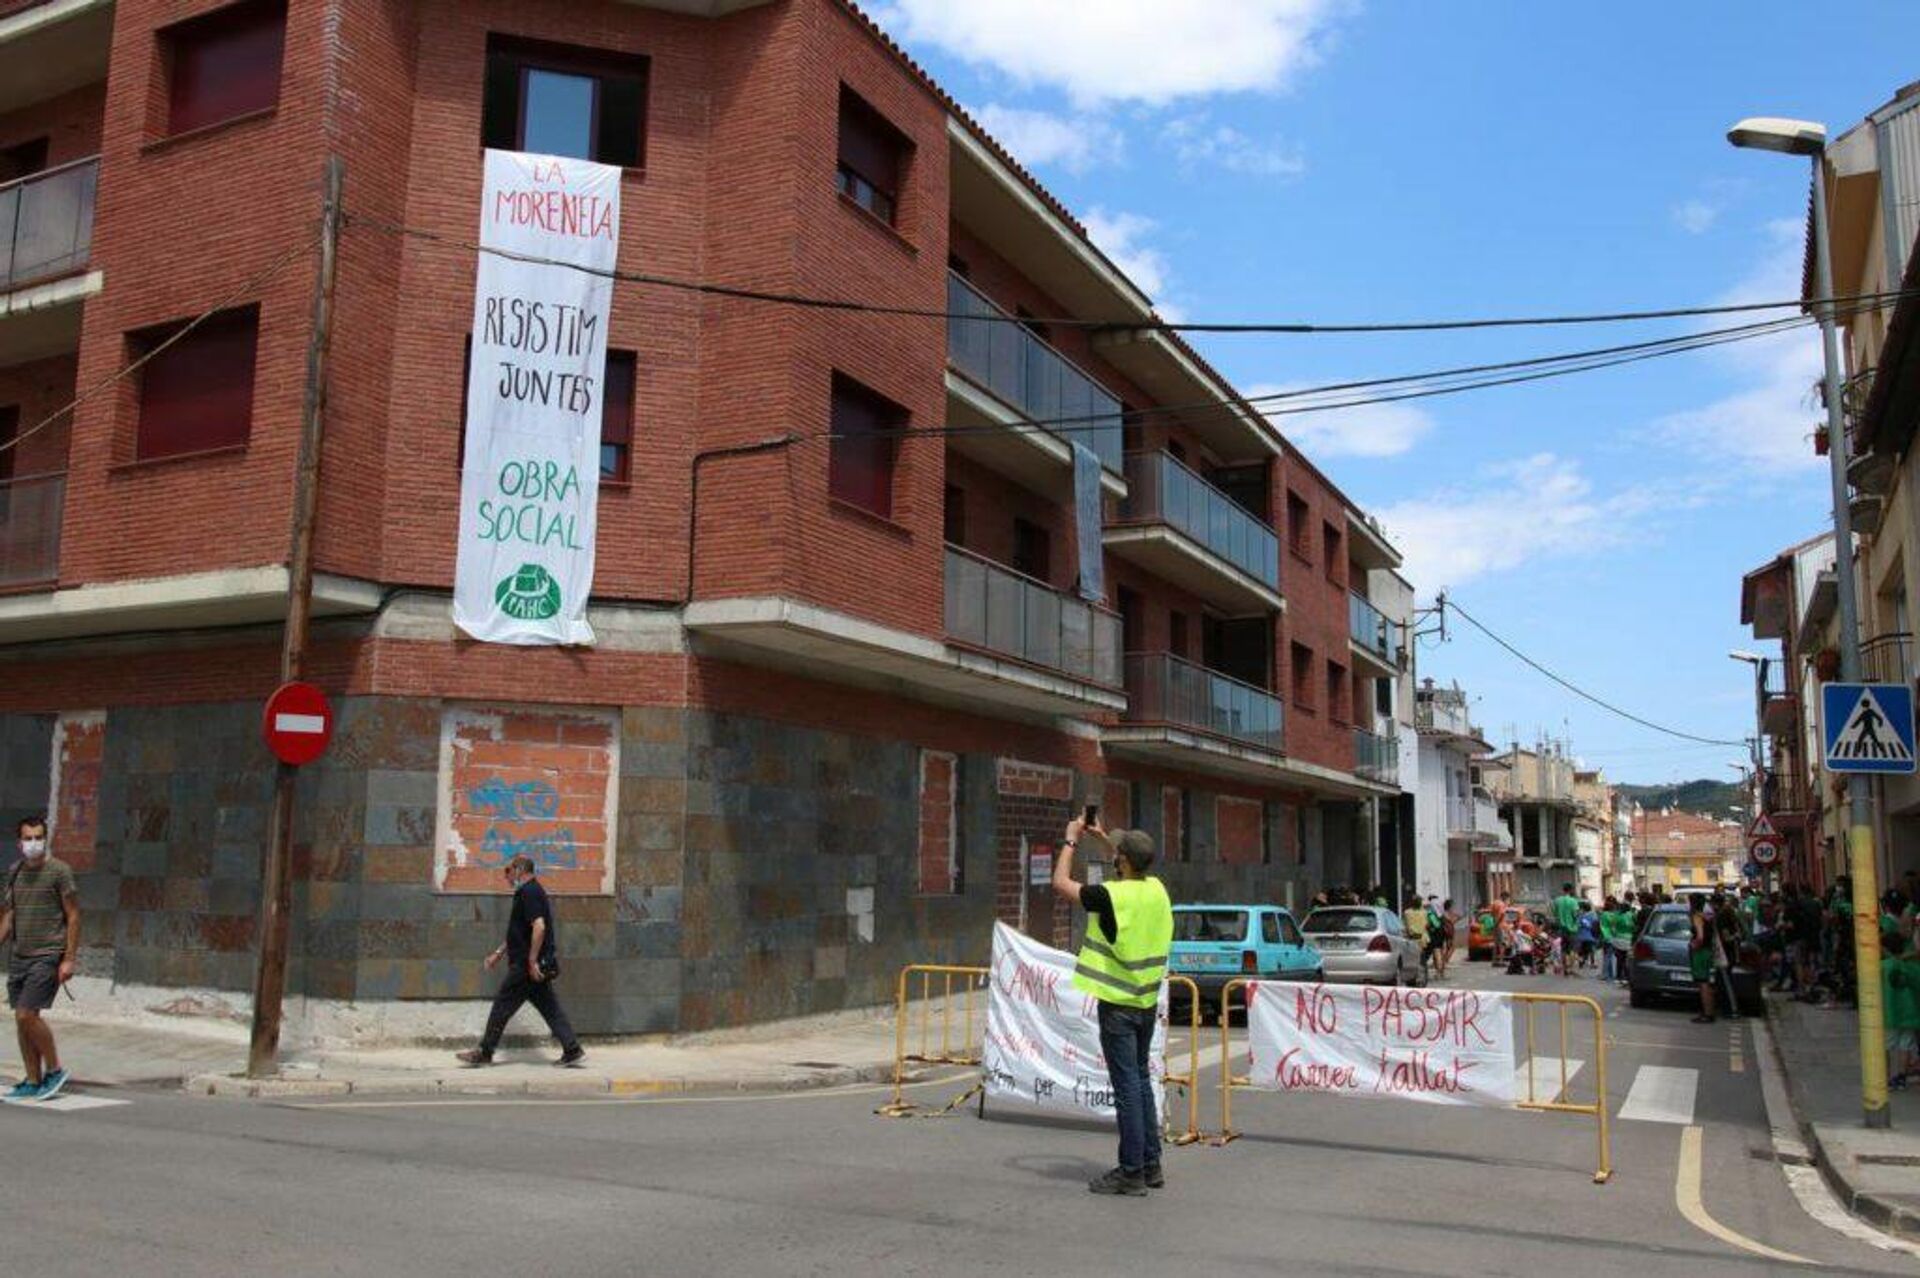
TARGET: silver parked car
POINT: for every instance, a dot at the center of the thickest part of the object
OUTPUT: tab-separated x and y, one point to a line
1659	967
1364	943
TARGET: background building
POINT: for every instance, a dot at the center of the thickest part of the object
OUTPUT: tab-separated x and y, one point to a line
1683	849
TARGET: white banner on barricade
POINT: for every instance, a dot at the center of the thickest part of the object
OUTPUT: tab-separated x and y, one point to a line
1043	1036
530	480
1445	1047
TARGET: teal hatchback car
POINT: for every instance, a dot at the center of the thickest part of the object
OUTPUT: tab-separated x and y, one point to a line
1214	944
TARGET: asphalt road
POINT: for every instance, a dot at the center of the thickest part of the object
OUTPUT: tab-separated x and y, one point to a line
815	1183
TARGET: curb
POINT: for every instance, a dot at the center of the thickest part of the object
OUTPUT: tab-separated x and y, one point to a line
482	1082
1797	1142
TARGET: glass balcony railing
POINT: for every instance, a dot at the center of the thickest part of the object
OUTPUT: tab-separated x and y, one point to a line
1163	688
1001	611
1369	628
46	223
1162	489
1459	815
1028	375
30	513
1376	757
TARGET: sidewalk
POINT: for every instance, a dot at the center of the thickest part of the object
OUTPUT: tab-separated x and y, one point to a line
210	1059
1876	1173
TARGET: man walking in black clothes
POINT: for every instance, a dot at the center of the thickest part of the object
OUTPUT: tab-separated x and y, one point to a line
532	964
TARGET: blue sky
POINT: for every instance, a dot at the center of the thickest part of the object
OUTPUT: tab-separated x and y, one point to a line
1329	161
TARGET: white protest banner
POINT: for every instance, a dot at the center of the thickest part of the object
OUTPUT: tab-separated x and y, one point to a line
1043	1036
530	481
1446	1047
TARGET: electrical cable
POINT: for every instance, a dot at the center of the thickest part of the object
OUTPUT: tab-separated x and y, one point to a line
246	290
1447	601
1150	324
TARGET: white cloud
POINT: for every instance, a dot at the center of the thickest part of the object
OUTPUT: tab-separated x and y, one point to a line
1520	513
1122	237
1763	428
1039	139
1696	216
1153	51
1365	430
1197	141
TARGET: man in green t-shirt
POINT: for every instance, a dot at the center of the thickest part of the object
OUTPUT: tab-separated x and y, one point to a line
1566	911
40	911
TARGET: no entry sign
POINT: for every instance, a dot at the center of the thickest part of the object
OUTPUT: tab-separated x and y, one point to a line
298	723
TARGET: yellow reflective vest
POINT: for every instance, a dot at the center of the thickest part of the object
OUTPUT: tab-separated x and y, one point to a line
1130	970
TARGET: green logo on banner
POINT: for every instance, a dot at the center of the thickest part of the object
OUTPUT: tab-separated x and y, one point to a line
531	594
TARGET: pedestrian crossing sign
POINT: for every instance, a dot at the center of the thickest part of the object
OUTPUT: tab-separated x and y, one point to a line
1867	727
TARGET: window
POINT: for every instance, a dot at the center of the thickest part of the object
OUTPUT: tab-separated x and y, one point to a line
1330	550
1133	620
196	395
1383	698
1177	633
557	99
860	461
958	265
872	156
616	416
223	64
1297	524
956	515
23	159
1032	550
941	863
1301	666
1336	685
1290	933
1270	928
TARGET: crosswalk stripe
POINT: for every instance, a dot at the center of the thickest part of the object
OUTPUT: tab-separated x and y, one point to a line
68	1104
1662	1094
1547	1083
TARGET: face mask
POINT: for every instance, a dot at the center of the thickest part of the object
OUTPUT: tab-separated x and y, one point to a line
33	849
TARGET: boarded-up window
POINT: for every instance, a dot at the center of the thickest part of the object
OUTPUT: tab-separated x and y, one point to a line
1238	822
941	865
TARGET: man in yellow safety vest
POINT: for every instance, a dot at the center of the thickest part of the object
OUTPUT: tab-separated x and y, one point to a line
1123	964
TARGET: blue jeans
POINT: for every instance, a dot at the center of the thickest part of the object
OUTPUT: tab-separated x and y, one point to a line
1609	961
1126	1039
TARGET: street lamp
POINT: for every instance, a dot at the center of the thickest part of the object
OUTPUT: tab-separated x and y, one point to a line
1805	137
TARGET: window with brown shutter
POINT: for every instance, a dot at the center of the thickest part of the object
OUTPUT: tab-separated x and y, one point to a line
616	417
860	461
223	64
872	157
197	394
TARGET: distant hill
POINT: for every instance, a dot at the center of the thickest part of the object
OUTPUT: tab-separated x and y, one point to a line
1706	797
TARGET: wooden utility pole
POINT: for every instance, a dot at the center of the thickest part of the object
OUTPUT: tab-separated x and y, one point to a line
276	877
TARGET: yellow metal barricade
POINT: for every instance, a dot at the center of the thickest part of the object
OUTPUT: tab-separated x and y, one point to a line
963	1049
1555	1101
1530	1088
1191	1079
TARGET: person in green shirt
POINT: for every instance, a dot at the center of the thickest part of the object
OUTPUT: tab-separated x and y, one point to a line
1900	999
1566	912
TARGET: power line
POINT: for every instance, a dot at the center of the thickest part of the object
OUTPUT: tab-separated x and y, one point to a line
1446	601
1150	324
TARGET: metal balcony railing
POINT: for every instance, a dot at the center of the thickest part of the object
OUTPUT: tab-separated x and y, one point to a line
1441	710
30	513
1376	757
1459	815
46	223
1369	627
1028	375
1163	688
1888	658
1163	489
1002	611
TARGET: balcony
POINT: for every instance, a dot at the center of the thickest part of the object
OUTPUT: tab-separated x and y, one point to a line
1887	658
1000	611
1489	831
1376	757
48	47
1372	637
1163	688
1459	816
46	234
1003	376
1178	526
30	512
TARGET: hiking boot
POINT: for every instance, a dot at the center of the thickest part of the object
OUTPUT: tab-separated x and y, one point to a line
475	1057
1118	1181
50	1085
571	1058
1155	1178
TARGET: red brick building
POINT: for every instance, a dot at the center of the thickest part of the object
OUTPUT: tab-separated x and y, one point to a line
845	692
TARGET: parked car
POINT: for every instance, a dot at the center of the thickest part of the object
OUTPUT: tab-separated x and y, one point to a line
1658	967
1364	943
1214	944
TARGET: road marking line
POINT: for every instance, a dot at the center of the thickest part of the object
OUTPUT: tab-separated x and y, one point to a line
1661	1094
496	1102
1686	1196
69	1104
1547	1083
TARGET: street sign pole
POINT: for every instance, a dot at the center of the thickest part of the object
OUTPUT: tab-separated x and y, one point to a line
1866	887
276	877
